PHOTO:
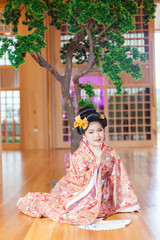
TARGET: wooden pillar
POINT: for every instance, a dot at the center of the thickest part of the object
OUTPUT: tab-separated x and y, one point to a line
56	95
33	98
34	104
153	82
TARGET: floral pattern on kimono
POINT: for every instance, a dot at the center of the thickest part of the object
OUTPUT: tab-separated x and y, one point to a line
85	192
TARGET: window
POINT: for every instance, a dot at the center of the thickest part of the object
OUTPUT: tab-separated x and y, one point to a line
129	114
10	116
139	38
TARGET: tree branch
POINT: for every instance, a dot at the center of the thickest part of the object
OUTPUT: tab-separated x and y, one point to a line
101	33
43	63
95	70
84	47
69	55
35	58
91	48
84	72
91	59
45	15
22	8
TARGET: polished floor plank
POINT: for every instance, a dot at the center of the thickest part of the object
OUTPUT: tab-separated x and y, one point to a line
25	171
136	230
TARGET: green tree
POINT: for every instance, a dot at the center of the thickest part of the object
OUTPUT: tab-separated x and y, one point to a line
97	28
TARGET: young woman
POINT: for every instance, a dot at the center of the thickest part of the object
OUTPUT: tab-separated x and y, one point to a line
96	183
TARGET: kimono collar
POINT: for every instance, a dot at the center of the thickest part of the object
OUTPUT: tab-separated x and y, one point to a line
84	142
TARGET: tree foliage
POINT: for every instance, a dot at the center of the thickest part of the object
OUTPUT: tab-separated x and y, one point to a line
89	92
102	24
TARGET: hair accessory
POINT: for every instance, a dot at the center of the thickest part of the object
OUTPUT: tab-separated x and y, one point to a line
81	122
101	116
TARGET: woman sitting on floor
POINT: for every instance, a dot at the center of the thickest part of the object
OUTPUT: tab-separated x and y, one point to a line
96	183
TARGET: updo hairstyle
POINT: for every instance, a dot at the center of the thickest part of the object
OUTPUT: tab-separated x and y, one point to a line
92	116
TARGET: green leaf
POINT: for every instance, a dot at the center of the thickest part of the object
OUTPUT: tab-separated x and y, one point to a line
115	16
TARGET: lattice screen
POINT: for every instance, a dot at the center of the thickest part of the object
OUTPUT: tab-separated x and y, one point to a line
129	114
140	36
10	116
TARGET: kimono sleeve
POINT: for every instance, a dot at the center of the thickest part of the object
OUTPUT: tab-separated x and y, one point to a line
79	172
111	163
121	179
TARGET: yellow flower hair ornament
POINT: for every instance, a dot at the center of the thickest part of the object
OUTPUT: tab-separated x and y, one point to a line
101	116
81	122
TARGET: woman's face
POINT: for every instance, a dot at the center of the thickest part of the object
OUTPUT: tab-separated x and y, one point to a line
94	135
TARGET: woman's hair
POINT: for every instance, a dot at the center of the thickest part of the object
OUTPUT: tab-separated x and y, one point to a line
92	116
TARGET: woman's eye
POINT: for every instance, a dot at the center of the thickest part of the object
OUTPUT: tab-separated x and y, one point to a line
100	130
90	132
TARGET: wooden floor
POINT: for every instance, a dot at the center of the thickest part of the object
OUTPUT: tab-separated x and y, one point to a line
25	171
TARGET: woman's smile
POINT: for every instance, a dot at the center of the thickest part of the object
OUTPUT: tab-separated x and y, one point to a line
94	135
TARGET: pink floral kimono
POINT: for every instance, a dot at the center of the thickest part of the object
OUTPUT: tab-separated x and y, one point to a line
85	192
